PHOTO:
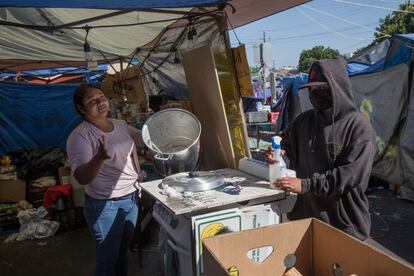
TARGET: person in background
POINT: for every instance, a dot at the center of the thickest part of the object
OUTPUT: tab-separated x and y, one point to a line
331	148
103	157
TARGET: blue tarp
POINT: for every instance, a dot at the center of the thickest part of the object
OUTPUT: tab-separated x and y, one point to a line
296	81
33	115
355	69
110	4
400	51
56	71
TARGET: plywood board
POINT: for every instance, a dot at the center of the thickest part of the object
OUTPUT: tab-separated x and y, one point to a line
242	71
203	83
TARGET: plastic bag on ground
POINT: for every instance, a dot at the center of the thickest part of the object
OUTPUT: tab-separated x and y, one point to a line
33	226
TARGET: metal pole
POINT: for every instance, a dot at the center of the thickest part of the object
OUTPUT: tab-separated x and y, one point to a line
272	87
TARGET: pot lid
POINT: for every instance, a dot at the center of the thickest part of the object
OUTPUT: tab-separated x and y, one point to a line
196	181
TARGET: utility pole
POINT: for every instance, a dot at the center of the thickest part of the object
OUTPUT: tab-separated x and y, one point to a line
262	65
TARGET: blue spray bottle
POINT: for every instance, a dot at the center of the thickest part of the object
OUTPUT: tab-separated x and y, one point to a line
277	169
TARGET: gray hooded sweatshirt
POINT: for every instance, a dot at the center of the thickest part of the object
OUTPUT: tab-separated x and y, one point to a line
333	157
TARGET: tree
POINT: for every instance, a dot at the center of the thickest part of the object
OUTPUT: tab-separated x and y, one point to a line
307	57
394	23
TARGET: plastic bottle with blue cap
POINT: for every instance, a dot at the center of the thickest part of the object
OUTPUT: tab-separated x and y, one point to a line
277	169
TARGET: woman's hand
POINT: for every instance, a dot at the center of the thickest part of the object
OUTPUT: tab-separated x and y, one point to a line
291	184
102	153
269	155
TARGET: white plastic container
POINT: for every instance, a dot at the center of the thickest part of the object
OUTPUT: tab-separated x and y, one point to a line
254	167
277	169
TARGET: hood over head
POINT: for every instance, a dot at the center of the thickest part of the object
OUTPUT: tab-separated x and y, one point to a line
333	71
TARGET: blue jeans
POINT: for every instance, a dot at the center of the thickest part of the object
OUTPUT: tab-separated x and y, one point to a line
112	223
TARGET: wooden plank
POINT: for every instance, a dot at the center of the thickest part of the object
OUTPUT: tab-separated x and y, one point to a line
233	103
242	71
203	83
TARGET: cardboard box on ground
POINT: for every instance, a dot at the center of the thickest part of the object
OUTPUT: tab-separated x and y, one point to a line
317	247
12	190
65	177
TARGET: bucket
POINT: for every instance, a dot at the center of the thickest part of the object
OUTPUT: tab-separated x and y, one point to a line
173	135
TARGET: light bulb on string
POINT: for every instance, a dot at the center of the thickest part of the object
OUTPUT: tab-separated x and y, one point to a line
91	64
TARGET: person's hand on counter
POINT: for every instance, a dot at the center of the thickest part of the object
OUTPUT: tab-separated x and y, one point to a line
291	184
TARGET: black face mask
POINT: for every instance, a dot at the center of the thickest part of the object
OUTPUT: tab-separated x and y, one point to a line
320	99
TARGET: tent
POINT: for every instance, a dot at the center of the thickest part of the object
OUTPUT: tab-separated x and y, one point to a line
54	34
48	34
33	116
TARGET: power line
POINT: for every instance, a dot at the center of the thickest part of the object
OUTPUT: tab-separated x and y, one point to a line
308	35
305	25
344	20
390	1
352	46
372	6
326	27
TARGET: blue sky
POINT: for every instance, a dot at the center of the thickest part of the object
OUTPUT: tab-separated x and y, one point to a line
303	27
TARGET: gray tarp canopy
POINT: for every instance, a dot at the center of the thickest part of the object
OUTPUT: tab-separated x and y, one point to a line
42	37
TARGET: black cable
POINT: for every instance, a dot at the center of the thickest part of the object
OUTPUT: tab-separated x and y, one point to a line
173	47
155	45
127	25
107	61
232	28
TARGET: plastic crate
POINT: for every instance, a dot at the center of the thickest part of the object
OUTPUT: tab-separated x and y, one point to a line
69	219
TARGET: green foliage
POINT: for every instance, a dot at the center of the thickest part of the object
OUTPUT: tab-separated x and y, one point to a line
307	57
394	23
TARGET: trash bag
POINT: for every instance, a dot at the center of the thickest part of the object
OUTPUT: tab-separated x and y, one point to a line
35	163
33	226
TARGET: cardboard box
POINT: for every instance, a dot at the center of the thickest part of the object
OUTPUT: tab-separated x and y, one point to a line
65	177
255	217
316	245
12	190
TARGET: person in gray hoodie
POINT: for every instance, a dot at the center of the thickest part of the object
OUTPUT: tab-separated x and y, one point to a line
331	148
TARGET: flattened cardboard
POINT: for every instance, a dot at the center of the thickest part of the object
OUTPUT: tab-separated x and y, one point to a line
12	190
64	175
316	245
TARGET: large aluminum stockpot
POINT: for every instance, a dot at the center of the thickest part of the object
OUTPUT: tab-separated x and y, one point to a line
173	135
